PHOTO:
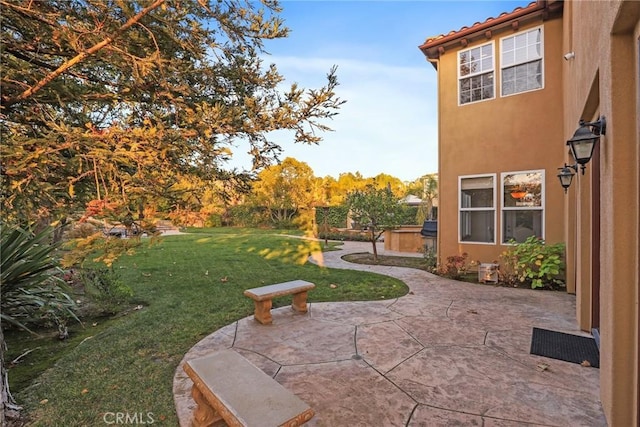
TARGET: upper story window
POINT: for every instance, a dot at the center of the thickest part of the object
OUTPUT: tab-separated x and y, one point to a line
475	74
521	62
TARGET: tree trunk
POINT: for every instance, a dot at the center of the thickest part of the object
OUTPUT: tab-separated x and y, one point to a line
373	242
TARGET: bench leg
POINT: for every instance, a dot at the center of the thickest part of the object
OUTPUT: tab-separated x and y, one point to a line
263	312
204	415
300	302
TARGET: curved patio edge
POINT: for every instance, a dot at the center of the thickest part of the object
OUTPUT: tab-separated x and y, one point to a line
446	352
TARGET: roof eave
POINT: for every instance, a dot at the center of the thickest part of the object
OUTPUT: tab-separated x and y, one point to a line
433	48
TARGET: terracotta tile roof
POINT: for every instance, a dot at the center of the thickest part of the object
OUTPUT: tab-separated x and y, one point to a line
540	9
487	22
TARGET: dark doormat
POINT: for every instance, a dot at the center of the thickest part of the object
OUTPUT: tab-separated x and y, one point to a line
567	347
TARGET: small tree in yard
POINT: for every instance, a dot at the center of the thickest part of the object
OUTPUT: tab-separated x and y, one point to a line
377	209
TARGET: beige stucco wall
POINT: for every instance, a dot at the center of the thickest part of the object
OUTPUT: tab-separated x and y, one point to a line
599	218
505	134
603	80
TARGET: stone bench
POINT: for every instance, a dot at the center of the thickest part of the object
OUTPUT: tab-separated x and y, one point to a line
228	387
263	296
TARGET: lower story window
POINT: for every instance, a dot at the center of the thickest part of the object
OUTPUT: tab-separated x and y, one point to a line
519	225
477	226
522	205
477	209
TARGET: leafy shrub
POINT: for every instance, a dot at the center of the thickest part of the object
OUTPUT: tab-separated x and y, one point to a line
101	248
408	215
247	216
535	263
430	257
336	216
214	220
105	288
352	236
32	292
455	267
508	268
284	224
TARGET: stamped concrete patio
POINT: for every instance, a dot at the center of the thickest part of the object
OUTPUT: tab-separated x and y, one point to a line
447	354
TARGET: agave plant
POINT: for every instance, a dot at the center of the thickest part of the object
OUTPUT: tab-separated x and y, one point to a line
31	290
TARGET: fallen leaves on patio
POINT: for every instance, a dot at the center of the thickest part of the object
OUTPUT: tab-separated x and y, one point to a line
542	367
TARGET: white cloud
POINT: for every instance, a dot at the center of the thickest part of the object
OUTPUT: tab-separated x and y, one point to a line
388	124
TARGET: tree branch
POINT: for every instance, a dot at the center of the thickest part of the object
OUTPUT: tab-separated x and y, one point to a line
78	58
27	11
37	62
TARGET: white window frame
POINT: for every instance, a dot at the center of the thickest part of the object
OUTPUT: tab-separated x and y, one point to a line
504	208
493	208
478	74
527	60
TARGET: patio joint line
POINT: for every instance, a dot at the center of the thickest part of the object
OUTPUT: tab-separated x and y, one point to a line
409	333
235	333
446	313
411	414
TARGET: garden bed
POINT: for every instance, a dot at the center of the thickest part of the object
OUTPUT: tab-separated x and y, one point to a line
470	276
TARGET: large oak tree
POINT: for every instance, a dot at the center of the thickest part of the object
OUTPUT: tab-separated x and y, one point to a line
119	100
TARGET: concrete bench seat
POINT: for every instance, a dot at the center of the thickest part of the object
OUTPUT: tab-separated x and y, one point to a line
228	387
264	295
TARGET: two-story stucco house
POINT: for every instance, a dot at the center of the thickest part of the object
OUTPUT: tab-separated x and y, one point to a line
511	92
500	117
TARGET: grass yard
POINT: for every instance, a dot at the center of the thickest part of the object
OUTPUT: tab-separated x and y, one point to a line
187	287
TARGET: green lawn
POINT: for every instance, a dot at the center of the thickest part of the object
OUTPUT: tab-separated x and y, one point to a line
188	286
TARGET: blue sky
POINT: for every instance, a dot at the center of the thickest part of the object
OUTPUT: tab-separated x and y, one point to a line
389	123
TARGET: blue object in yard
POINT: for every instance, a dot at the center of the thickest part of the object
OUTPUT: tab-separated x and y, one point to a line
429	228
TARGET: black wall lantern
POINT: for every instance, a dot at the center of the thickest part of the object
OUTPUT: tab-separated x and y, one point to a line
584	140
565	175
582	144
